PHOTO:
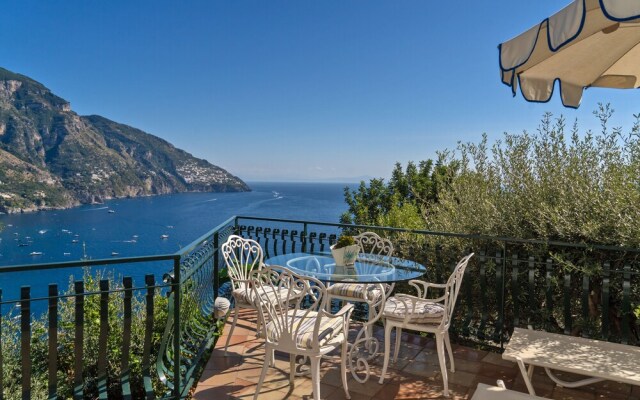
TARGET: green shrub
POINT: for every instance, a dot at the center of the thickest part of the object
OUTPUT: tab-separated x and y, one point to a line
66	335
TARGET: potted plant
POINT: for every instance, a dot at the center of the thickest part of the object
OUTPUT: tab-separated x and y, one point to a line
345	250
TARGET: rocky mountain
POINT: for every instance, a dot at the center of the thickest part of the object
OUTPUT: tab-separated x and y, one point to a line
50	157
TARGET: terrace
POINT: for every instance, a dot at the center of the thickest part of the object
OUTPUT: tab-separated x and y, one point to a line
166	333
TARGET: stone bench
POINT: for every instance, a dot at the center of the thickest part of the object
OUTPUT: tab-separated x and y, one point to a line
596	359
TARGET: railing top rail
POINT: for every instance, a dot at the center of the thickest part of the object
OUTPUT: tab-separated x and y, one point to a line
88	263
451	234
191	246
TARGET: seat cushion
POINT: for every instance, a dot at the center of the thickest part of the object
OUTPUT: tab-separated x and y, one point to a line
245	295
329	328
425	311
356	291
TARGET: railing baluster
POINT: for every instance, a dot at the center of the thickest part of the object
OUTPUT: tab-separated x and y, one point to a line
78	343
323	238
266	233
585	304
533	307
284	234
548	294
177	328
303	237
567	303
216	265
469	303
102	339
1	354
500	287
483	296
148	335
53	342
606	269
293	236
515	290
25	340
125	374
312	239
626	303
276	233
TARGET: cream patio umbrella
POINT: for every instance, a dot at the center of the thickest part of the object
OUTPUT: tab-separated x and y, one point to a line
590	43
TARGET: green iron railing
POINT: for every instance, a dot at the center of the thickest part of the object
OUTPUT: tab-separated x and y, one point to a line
67	348
570	288
166	325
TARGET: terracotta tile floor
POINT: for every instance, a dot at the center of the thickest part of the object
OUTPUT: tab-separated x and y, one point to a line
416	375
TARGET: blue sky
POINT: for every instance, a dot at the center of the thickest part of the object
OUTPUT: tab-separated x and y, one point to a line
290	90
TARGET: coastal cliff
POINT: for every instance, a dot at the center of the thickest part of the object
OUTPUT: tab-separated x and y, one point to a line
50	157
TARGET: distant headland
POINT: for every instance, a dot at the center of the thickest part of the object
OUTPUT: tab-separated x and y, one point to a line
52	158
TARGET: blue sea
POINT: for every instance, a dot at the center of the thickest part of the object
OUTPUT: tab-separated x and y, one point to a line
135	227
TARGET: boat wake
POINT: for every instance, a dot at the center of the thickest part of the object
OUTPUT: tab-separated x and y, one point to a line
97	209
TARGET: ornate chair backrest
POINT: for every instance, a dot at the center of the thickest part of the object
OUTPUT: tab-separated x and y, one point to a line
371	243
241	256
289	303
453	288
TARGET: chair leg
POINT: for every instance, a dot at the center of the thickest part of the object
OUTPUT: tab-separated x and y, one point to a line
387	349
292	369
265	366
315	376
443	362
397	348
233	326
343	370
448	343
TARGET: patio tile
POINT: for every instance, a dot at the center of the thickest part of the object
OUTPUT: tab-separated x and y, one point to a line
423	369
225	363
468	366
217	378
415	376
560	393
468	353
496	359
461	378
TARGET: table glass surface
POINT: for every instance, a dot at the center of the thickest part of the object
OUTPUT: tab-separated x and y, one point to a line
367	269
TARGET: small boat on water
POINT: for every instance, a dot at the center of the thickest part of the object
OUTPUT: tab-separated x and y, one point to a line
113	254
135	236
75	241
67	254
111	211
42	231
35	253
164	236
23	244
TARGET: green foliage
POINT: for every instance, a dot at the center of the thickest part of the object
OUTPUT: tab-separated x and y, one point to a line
66	349
344	241
402	201
555	185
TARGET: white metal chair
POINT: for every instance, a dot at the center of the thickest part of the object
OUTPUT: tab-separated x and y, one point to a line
287	326
420	313
242	256
372	294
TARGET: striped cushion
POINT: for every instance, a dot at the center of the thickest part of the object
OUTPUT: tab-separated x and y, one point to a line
329	328
246	295
355	291
425	311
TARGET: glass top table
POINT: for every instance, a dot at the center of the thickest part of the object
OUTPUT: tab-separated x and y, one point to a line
367	269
